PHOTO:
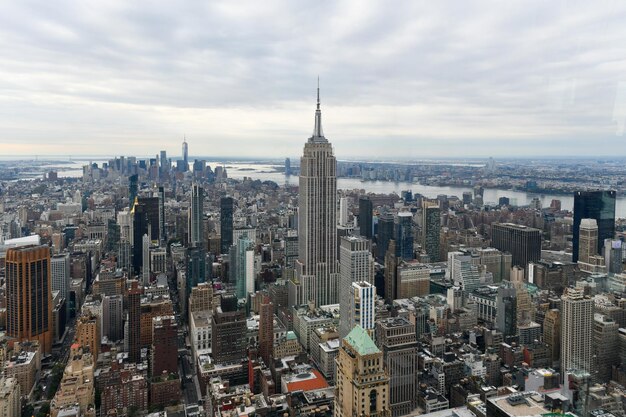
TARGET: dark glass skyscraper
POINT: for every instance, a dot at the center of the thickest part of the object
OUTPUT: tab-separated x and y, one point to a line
404	236
140	228
365	217
226	224
598	205
385	234
133	184
151	205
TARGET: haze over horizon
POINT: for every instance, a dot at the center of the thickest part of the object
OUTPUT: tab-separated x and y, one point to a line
420	80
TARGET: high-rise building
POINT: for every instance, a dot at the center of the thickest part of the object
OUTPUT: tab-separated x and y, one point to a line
88	332
161	197
552	334
134	322
463	271
196	268
391	270
133	187
29	295
605	349
196	215
384	234
524	243
266	331
506	311
229	327
356	265
185	155
396	338
164	164
60	270
576	331
343	211
244	267
366	217
362	383
362	300
151	208
287	166
226	223
140	228
613	256
112	317
404	235
316	277
587	240
201	298
164	345
431	226
412	279
598	205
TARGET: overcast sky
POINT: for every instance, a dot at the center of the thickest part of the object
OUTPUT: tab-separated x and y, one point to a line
398	79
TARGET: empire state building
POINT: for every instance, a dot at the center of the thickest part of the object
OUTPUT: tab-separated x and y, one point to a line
316	274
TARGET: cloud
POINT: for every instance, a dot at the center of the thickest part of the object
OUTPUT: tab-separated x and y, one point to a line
416	79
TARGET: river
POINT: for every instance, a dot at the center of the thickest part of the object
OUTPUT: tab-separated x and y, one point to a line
264	172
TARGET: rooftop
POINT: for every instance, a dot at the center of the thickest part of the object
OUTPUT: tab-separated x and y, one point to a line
361	341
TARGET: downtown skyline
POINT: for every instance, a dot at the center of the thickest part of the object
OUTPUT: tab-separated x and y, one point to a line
443	81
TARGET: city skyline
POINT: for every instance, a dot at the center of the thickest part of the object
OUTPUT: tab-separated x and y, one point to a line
412	82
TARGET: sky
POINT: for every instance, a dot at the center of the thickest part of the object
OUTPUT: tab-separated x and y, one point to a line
399	79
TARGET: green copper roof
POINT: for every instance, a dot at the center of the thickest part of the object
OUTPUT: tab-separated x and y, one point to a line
291	335
361	341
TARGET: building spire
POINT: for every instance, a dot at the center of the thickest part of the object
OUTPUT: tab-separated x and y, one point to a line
318	133
318	92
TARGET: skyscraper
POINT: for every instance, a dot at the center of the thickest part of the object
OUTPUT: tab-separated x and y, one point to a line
185	155
362	299
524	243
605	349
164	345
384	235
229	331
151	205
112	317
598	205
196	267
587	240
396	338
404	235
132	189
431	225
287	166
244	267
317	268
366	217
343	211
164	165
613	256
552	334
362	383
266	331
29	295
140	228
576	331
60	267
226	223
134	322
196	209
161	197
356	265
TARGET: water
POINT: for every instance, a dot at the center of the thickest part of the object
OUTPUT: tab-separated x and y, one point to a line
268	172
